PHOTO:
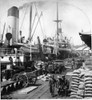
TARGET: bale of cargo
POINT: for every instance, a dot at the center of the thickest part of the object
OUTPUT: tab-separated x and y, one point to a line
74	83
88	83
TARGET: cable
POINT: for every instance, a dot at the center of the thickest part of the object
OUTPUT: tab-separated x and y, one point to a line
86	17
82	12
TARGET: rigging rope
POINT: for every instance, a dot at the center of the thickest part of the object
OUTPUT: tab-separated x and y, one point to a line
23	17
36	26
33	21
1	23
3	32
40	22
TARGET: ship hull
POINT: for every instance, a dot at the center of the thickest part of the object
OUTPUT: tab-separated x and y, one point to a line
86	38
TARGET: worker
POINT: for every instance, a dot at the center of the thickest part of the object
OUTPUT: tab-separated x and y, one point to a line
65	86
73	63
11	66
9	69
41	70
46	67
11	61
59	85
8	74
18	62
52	83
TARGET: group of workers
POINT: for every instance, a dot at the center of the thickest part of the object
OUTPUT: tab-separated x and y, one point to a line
52	68
56	68
59	86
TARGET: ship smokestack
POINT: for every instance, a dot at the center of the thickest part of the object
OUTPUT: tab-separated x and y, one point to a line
13	23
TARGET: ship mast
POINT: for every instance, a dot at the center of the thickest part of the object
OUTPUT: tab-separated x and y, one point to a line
30	22
30	29
58	29
91	44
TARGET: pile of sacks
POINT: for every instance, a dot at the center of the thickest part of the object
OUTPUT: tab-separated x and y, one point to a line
77	84
81	84
88	84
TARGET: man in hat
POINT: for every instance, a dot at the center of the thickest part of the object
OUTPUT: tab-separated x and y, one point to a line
65	86
88	63
52	82
73	63
59	85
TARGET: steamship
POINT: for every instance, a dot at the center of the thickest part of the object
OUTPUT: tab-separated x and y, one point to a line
13	44
59	49
60	45
14	47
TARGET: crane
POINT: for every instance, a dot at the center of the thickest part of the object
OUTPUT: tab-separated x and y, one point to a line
40	49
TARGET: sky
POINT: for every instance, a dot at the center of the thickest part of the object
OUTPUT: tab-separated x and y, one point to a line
76	15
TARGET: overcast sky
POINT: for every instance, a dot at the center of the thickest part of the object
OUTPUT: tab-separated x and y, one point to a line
76	15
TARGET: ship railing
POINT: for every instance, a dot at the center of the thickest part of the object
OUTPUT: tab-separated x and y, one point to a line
7	51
